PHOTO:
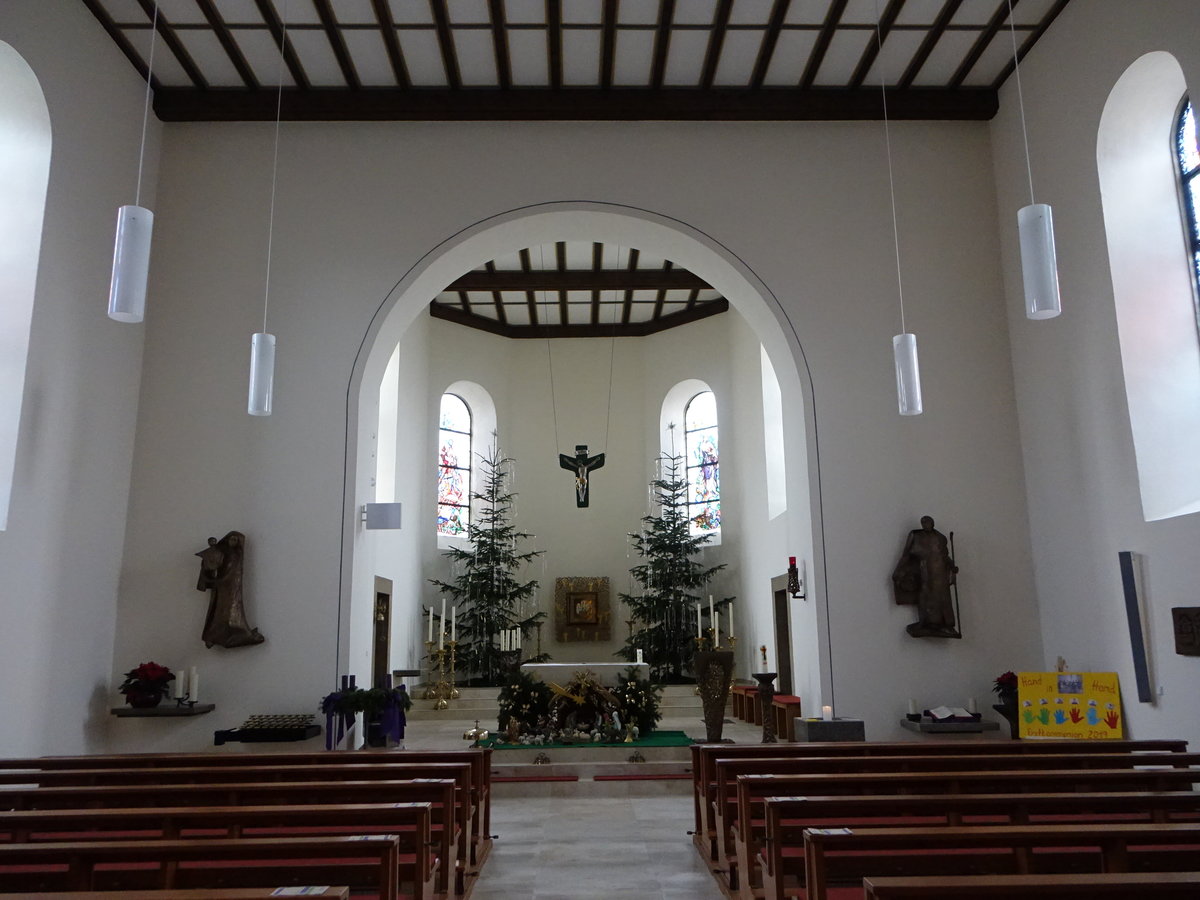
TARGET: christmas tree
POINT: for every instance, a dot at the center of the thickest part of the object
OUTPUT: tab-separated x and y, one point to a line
664	611
486	590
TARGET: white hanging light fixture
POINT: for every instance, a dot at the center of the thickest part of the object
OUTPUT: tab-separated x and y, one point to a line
904	345
135	226
262	344
1035	225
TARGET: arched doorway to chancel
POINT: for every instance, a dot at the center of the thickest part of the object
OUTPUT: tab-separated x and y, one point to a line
764	542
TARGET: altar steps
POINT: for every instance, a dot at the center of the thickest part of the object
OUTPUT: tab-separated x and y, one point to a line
590	777
678	701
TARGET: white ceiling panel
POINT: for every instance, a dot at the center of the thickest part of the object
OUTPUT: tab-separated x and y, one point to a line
738	55
649	261
919	12
517	314
510	262
679	296
639	12
525	12
945	59
423	57
354	12
806	12
845	50
262	54
998	54
581	57
751	12
694	12
486	310
583	12
316	56
471	12
408	12
125	12
528	58
167	70
634	52
180	12
239	12
579	254
976	12
685	58
1030	12
476	57
898	50
791	55
299	12
862	12
370	57
210	56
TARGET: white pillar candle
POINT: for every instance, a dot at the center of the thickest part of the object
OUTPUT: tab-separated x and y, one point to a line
517	635
716	629
912	707
442	621
730	611
454	623
971	705
639	657
827	713
181	685
710	610
193	684
698	619
441	634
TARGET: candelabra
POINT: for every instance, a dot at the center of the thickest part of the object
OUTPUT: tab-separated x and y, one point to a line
733	649
442	691
454	670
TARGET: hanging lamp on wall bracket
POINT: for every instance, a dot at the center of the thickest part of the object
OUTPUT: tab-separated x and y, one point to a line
135	227
1035	225
262	343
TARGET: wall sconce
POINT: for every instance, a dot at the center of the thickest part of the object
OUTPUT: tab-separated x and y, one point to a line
795	583
381	516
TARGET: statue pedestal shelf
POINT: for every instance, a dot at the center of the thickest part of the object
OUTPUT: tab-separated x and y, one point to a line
127	712
766	692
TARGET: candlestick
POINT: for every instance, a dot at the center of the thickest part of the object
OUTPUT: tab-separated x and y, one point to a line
454	623
710	609
442	622
429	640
716	630
730	612
194	684
698	635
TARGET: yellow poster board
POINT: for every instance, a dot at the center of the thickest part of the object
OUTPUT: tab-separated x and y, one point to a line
1084	705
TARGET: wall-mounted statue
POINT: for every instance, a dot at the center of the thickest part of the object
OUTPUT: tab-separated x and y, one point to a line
221	573
923	578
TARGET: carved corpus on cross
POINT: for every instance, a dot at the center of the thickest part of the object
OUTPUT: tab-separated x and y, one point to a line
582	465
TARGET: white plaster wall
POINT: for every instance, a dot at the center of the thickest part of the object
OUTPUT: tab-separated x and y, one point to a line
1084	504
61	552
803	207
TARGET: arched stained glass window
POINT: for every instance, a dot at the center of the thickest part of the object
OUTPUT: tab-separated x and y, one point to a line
703	466
454	466
1187	146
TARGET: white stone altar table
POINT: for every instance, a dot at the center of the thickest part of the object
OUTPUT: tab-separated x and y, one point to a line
560	673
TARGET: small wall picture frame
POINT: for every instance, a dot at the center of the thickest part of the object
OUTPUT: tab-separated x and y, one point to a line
582	609
1186	622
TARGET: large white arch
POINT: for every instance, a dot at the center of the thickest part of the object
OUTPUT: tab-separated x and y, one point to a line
663	236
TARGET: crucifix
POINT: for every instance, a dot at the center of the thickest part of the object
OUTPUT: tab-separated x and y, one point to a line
581	464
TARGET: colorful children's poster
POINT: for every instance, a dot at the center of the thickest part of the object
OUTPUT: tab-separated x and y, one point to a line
1085	705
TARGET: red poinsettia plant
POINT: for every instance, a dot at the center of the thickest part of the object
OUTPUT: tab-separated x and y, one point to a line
1005	684
147	679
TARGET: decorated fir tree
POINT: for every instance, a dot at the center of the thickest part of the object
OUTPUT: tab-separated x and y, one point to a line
484	584
671	582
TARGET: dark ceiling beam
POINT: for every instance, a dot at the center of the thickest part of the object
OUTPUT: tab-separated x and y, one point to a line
932	36
560	255
530	297
692	298
1033	38
225	36
338	43
496	298
580	280
500	44
387	29
832	17
662	294
886	20
662	42
597	265
454	314
608	44
464	301
574	104
716	40
554	44
171	40
118	36
767	50
446	42
995	23
627	303
267	10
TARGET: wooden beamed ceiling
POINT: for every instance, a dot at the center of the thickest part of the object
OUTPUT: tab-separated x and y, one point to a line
490	60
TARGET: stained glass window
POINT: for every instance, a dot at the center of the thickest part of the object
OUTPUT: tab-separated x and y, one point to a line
703	468
1188	150
454	466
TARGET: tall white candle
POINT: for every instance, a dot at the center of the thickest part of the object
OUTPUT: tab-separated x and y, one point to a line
698	634
442	622
827	713
710	610
454	623
971	705
716	629
912	707
639	657
730	611
430	638
193	684
181	685
441	634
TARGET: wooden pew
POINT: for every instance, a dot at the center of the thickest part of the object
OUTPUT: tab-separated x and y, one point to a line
480	759
366	861
1082	886
266	893
726	813
705	755
781	859
436	792
848	855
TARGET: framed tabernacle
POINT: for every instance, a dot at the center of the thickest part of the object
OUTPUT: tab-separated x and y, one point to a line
582	609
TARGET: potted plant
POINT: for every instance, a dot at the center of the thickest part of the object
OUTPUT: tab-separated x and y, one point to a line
145	686
383	710
1005	689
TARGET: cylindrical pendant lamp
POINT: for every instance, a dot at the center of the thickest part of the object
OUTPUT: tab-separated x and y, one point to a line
131	264
908	374
262	373
1039	264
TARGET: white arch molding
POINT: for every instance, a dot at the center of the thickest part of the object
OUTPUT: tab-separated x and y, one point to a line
510	231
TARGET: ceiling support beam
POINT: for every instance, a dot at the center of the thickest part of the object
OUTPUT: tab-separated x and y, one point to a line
580	280
632	329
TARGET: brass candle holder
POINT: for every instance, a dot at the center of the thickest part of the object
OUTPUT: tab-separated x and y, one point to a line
453	695
442	691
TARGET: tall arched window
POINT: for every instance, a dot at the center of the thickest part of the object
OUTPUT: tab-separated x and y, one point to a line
454	467
1187	148
703	465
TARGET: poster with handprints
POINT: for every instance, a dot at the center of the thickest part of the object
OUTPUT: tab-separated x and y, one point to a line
1085	705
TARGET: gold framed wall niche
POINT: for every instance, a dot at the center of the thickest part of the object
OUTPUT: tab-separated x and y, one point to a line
582	609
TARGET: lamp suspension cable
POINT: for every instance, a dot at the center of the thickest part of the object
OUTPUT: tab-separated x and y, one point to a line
904	344
135	226
1035	223
262	344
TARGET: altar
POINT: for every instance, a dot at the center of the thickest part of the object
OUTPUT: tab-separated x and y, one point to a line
605	672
